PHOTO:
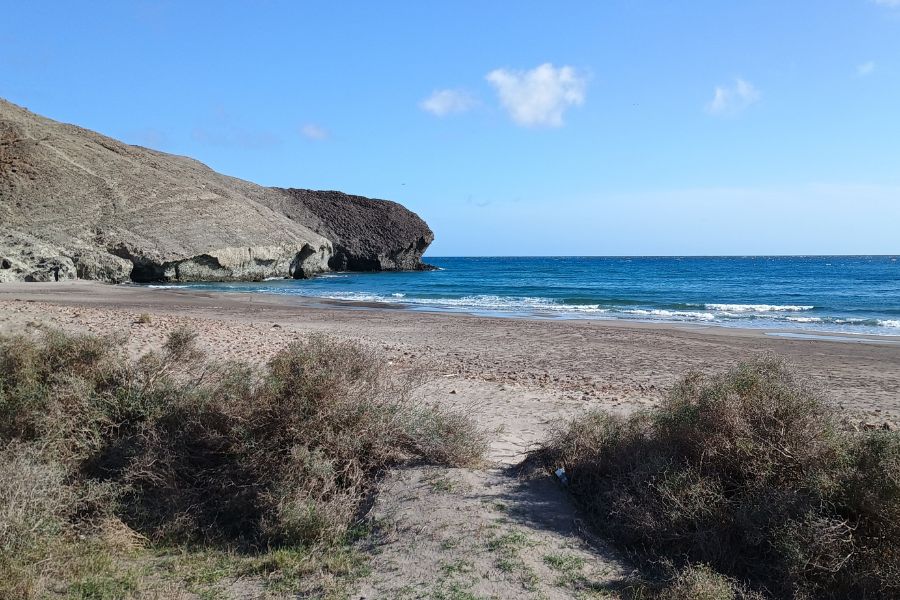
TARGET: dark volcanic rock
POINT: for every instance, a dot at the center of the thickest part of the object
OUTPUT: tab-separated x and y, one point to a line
367	234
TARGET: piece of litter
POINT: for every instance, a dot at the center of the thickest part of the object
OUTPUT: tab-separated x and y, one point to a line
561	475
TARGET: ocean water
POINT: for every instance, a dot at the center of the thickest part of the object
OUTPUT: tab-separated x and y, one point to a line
858	294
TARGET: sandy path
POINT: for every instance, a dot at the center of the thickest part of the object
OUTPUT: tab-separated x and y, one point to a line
459	533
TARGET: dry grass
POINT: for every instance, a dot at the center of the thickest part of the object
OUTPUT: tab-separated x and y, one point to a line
748	472
175	449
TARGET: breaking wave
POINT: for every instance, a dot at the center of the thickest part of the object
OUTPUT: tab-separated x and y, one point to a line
757	308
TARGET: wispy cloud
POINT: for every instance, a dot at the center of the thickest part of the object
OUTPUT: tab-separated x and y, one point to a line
866	68
445	102
541	96
311	131
888	3
733	99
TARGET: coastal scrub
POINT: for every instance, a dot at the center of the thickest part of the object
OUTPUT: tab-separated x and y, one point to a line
173	450
748	474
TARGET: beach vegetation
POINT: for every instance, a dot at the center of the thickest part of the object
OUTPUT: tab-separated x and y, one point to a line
110	464
740	484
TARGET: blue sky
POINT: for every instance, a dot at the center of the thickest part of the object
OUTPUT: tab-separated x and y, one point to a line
513	128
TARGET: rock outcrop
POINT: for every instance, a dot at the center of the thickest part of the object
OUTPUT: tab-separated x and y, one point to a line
74	203
367	234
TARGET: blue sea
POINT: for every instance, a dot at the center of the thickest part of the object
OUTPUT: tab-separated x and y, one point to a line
858	294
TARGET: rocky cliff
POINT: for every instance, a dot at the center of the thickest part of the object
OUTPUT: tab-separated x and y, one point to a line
74	203
367	234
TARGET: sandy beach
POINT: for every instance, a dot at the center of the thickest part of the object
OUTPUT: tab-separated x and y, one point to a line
523	374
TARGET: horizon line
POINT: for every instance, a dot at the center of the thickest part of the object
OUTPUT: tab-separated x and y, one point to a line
894	256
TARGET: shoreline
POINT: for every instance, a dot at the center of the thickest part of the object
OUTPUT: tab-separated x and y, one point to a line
32	291
875	327
524	373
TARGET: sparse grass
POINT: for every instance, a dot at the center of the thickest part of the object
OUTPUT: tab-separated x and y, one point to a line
508	547
442	482
457	567
510	542
456	581
565	563
449	544
454	590
569	567
144	319
258	474
750	473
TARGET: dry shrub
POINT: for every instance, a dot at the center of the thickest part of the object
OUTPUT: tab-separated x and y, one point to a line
287	457
745	471
35	500
691	582
36	504
183	449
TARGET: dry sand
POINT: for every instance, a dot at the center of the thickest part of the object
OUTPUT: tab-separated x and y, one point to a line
520	377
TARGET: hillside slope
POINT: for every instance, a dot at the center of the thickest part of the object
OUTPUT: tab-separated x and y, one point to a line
75	203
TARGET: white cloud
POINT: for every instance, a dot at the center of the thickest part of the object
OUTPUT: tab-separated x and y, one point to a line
866	68
311	131
539	97
734	99
889	3
445	102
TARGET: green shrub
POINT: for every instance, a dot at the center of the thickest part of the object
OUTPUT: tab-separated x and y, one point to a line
286	457
185	450
748	472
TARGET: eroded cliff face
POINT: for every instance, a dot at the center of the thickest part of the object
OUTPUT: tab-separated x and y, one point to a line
231	264
74	203
367	234
77	204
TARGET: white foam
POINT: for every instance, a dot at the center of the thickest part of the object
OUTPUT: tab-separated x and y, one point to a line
744	308
481	302
804	319
894	323
672	314
355	297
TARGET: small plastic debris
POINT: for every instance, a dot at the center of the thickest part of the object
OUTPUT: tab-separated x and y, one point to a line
561	475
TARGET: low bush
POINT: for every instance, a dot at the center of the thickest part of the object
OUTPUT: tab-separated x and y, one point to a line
750	473
188	451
